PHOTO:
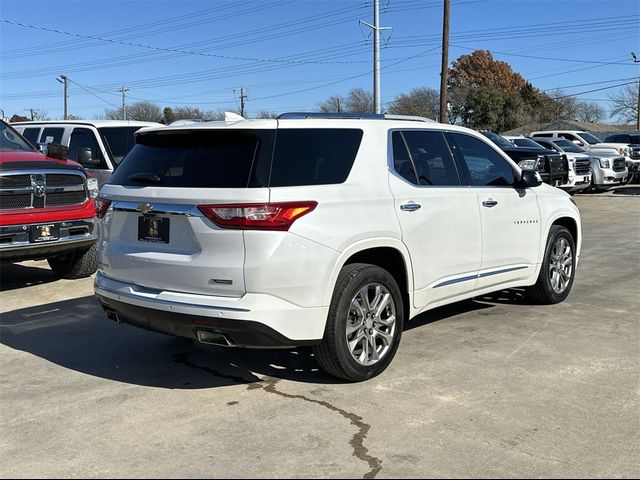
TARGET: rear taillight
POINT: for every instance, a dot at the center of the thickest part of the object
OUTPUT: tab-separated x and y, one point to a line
257	216
102	205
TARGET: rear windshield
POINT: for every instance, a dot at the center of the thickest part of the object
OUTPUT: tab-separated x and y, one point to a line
240	158
198	159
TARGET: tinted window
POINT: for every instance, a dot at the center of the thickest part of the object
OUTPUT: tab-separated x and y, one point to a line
526	142
198	159
545	144
544	134
118	141
431	157
485	166
313	156
10	140
592	139
31	134
83	138
52	134
568	146
498	139
402	163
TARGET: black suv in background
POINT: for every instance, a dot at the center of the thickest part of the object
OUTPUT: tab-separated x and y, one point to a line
552	167
630	138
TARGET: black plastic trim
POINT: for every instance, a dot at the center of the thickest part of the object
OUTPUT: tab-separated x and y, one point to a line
241	333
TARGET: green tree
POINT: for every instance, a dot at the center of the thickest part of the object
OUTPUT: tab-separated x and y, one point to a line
486	93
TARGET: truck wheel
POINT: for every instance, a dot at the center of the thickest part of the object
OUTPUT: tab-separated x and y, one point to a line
81	264
558	268
364	325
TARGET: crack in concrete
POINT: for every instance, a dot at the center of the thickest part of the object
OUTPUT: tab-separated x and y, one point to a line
181	358
357	441
268	384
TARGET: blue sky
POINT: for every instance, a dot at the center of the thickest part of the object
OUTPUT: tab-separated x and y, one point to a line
293	54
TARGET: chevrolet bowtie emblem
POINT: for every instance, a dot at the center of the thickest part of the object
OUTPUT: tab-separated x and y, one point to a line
145	208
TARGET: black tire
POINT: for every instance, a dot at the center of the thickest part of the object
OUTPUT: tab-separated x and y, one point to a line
334	354
80	264
544	290
591	188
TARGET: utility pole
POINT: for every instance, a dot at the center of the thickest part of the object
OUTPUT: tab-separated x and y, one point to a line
444	72
124	107
64	80
243	96
31	110
635	60
376	54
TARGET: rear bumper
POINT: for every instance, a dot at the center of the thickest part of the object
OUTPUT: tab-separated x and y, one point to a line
253	321
15	244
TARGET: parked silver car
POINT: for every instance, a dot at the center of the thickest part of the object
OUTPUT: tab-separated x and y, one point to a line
607	168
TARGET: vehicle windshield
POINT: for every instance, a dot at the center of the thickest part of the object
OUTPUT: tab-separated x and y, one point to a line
498	140
526	142
591	139
11	140
568	146
119	141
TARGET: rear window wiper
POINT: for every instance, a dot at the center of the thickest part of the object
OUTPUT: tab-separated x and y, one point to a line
145	177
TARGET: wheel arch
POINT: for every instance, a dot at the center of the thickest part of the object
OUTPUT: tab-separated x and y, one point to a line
390	254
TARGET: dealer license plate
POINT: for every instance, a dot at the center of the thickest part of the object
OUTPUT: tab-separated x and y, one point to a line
153	229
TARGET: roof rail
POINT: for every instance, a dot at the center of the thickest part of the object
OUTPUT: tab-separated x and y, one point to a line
333	115
351	116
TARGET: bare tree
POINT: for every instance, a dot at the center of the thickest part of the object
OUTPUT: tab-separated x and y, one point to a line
421	102
334	103
142	110
562	106
590	112
265	115
357	100
625	103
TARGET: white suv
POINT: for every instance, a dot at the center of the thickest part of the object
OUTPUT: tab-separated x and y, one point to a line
314	229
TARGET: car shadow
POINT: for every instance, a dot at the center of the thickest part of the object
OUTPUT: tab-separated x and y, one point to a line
76	334
18	275
627	190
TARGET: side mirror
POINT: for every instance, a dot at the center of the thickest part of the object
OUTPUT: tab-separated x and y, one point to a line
85	157
530	179
578	142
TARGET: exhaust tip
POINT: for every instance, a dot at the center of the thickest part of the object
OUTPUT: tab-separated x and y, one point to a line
212	338
112	315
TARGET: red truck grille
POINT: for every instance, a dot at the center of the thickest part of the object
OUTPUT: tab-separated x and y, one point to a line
41	189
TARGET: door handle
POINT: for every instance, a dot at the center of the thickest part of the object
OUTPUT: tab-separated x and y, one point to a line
410	207
489	202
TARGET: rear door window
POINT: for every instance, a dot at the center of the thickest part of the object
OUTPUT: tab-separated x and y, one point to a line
314	156
31	134
432	158
198	159
52	134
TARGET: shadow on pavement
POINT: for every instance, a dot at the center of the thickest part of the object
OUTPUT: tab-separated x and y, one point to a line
16	275
628	190
76	334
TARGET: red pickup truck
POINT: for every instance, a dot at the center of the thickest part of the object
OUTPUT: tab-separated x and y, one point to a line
47	208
